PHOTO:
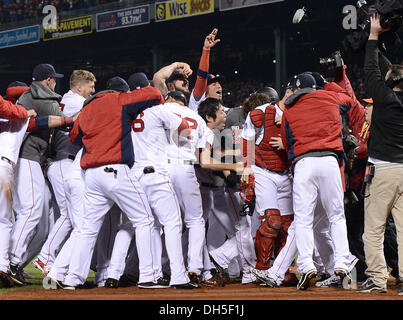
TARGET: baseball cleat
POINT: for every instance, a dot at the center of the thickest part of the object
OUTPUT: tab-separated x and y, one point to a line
331	282
264	276
111	283
186	286
161	283
38	264
304	281
15	273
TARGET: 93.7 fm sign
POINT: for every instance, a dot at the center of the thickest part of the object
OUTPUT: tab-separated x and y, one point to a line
123	18
176	9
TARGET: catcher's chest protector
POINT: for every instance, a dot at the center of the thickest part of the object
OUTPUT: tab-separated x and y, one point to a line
265	155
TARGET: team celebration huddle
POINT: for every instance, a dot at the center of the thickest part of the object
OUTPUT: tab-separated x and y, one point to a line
153	184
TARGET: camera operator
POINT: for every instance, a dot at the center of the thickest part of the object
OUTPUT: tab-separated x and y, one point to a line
385	161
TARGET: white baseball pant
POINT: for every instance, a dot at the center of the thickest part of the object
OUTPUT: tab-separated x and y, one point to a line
62	227
164	204
6	214
319	177
28	206
186	187
102	190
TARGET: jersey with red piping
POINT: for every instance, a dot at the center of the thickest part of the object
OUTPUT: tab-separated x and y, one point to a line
104	126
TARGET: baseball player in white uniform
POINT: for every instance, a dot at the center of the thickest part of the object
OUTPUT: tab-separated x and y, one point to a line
150	136
181	158
82	85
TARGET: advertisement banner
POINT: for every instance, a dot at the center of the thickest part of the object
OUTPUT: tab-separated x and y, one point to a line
237	4
69	28
176	9
123	18
20	36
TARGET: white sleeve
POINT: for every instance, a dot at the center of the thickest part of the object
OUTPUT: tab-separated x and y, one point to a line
249	130
207	139
193	104
170	120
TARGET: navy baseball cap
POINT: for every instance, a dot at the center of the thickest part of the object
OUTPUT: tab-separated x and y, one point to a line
175	76
302	81
117	84
43	71
178	95
215	78
138	80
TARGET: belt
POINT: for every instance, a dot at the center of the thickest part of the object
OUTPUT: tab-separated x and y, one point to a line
8	161
187	162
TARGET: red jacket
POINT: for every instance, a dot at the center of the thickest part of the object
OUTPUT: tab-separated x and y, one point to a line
104	126
12	111
312	122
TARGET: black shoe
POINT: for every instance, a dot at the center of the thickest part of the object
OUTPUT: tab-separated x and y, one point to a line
400	292
304	281
5	280
127	280
86	285
399	280
161	283
111	283
61	285
370	286
15	273
186	286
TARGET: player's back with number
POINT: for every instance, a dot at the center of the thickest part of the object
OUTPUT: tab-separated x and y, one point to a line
185	148
150	134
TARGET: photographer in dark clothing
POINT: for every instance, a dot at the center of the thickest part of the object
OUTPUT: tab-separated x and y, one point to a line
385	161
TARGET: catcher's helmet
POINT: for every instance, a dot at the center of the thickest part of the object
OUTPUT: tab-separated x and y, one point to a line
271	93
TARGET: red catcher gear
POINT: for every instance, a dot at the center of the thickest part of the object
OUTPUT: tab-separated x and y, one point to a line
271	237
265	238
265	155
247	189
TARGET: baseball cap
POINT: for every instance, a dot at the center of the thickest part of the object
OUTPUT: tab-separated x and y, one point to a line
174	76
138	80
43	71
302	81
215	78
177	95
368	100
118	84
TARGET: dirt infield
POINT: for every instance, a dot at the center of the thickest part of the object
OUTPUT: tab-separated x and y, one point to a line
229	292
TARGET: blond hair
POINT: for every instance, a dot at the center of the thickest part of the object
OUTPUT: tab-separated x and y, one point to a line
79	76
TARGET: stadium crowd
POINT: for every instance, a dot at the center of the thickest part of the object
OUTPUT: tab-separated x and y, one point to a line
19	10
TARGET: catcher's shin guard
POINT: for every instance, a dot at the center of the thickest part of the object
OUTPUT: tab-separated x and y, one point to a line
265	238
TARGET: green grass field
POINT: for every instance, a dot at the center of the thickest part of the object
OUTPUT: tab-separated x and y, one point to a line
36	283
